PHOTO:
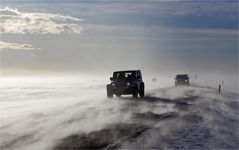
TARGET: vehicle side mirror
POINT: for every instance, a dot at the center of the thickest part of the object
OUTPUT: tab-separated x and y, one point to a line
111	78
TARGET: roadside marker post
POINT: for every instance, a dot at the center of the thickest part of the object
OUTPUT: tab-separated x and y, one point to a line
219	88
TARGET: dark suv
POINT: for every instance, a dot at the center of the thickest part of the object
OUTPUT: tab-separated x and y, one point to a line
182	79
125	83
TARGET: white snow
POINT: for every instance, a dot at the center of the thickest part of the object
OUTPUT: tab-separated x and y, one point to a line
37	113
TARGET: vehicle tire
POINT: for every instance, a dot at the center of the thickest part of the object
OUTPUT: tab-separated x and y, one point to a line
141	92
135	95
118	95
109	93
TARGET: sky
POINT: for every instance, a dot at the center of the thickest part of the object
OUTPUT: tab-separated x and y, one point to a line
98	37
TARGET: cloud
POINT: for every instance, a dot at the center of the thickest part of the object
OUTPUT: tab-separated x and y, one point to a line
16	22
15	46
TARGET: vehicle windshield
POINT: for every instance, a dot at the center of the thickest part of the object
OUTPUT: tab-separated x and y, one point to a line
126	75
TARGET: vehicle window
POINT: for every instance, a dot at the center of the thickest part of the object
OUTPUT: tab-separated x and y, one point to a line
124	75
182	77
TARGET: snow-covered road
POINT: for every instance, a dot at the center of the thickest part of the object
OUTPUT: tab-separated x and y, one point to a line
49	114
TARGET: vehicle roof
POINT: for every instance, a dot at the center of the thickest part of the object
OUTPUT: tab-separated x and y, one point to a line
182	75
126	71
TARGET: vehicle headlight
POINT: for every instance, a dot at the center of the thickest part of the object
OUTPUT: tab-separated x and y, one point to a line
128	84
113	84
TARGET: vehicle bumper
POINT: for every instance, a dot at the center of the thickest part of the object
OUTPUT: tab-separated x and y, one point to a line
123	91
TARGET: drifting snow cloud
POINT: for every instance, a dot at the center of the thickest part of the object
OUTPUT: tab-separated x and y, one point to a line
62	113
16	22
15	46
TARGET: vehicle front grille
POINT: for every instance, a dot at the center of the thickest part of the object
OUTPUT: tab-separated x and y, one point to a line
121	85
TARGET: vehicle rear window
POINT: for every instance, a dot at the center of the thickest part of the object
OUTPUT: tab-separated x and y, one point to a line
182	77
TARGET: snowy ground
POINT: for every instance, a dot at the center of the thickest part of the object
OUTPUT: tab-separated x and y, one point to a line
74	113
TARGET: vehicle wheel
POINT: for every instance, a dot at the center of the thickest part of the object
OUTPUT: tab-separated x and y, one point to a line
135	95
109	94
118	95
141	93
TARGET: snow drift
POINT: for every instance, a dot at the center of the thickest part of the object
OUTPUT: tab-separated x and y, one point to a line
75	113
